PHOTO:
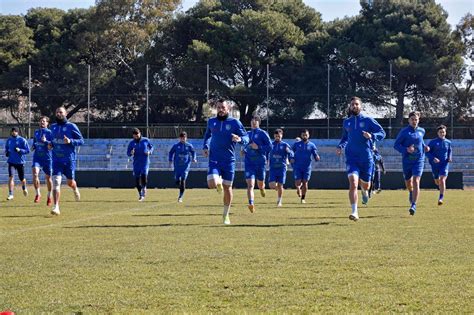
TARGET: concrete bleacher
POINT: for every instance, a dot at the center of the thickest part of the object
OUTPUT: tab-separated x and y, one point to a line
110	154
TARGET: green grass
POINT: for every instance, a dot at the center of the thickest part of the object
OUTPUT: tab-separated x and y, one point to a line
109	253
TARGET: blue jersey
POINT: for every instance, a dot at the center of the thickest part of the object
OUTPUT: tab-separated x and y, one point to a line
281	151
357	147
182	154
40	147
142	150
440	149
407	137
303	152
218	139
63	152
259	156
11	145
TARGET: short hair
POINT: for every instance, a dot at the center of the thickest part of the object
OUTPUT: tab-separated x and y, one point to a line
414	113
356	98
278	131
441	127
257	118
136	131
304	130
62	108
15	129
183	134
44	117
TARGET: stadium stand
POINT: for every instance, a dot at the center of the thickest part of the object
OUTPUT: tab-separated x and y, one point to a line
110	154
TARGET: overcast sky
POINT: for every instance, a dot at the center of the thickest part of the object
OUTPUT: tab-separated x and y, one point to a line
330	9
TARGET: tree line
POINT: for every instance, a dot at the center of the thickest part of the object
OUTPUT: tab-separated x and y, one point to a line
237	39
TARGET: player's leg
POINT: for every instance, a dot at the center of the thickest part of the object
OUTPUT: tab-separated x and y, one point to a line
144	182
408	176
280	182
250	180
20	168
70	172
47	167
11	181
228	173
260	176
182	184
417	171
36	182
306	175
353	178
366	171
442	188
213	178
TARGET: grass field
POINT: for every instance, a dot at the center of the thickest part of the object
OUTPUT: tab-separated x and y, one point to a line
109	253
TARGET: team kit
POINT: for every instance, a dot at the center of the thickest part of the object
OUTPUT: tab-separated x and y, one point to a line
54	153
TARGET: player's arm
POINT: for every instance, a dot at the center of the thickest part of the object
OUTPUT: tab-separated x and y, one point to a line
25	148
266	146
343	142
430	154
450	153
398	145
207	137
314	152
193	153
149	147
129	149
377	132
76	137
171	153
242	133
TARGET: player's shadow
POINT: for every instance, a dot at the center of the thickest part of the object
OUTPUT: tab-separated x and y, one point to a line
177	215
340	217
128	226
269	225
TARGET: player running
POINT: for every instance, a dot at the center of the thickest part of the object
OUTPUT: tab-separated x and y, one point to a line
410	144
439	156
42	158
256	152
357	135
222	134
65	138
303	151
16	147
279	155
181	155
140	148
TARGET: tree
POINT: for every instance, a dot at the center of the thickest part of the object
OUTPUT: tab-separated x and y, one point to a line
16	46
414	36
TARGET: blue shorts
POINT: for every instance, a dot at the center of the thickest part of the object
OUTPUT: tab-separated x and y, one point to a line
413	168
277	175
181	173
363	170
140	170
224	169
255	171
439	169
66	168
301	173
45	165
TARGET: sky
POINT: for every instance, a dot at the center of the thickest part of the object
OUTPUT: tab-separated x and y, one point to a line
330	9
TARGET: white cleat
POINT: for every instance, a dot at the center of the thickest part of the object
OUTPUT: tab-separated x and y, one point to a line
10	197
25	192
141	198
219	188
227	220
77	195
354	216
180	200
303	201
55	211
279	204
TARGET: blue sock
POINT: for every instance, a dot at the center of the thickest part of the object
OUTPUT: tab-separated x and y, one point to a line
23	187
180	195
413	205
441	196
411	196
10	192
250	201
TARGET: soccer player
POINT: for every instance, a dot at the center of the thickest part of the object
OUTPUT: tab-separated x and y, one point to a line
65	138
279	155
410	144
222	134
140	148
42	158
439	156
181	155
357	135
16	148
256	152
303	151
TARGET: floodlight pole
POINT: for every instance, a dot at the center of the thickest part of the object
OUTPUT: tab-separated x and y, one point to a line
29	101
390	104
207	84
329	89
268	92
88	99
147	87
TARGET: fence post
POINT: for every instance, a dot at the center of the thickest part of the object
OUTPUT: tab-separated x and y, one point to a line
147	87
329	89
88	99
268	92
29	101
